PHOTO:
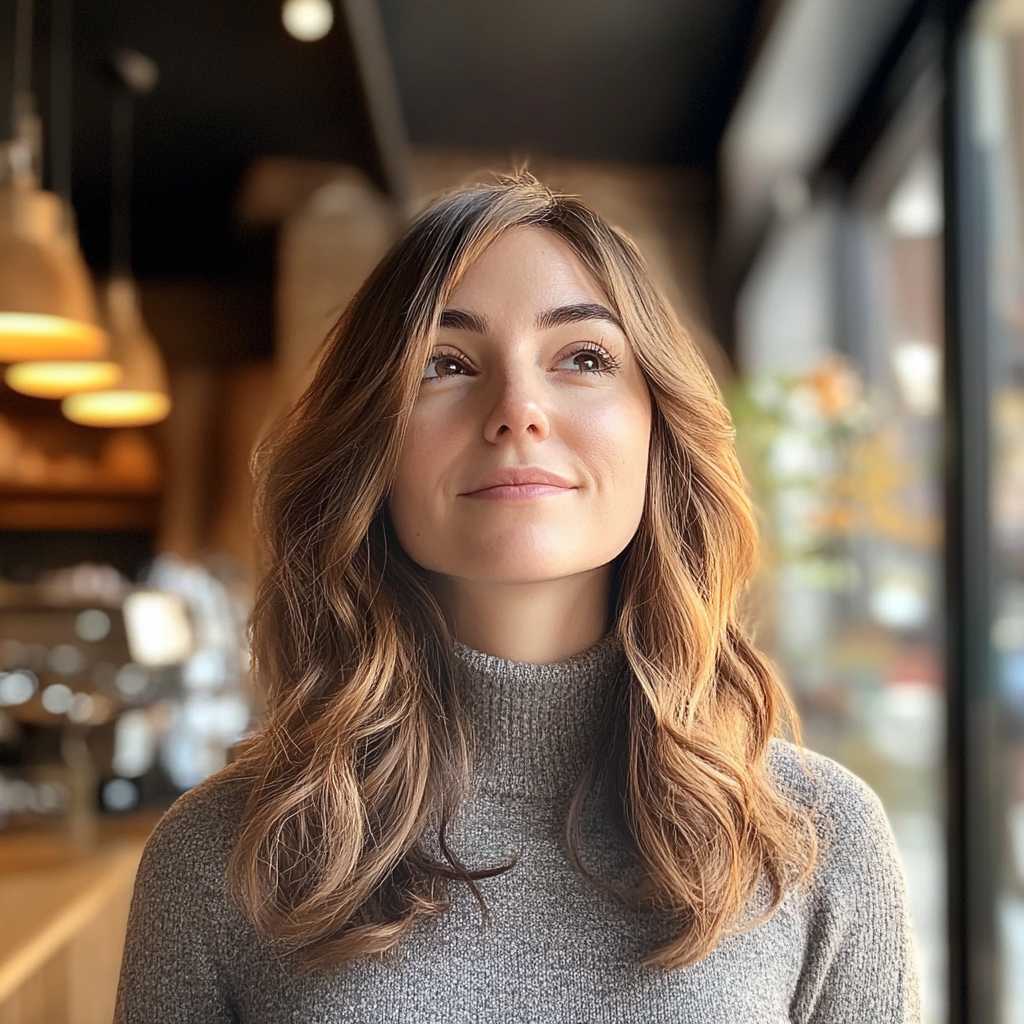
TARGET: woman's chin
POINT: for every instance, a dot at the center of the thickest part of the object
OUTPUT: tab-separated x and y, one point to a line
520	569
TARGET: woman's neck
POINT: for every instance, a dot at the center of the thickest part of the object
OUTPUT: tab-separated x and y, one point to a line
538	623
533	728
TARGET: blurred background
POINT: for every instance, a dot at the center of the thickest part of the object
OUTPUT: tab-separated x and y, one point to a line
831	194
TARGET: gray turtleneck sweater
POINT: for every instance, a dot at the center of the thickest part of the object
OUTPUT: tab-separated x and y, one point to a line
557	949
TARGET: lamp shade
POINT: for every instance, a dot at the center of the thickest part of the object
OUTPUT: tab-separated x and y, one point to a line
141	397
47	303
63	377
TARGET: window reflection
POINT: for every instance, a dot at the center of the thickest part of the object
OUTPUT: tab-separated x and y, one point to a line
838	414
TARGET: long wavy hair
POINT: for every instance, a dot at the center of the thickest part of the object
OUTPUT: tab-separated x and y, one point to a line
363	749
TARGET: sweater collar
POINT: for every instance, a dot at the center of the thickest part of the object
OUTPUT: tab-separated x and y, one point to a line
535	726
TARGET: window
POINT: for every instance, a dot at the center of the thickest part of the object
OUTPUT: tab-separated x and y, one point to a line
840	423
995	190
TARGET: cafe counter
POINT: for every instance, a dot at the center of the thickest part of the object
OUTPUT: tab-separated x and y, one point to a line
63	916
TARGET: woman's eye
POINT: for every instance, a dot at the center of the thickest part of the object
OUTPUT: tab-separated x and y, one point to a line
587	361
443	366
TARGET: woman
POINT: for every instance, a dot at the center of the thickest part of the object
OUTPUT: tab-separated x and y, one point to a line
520	762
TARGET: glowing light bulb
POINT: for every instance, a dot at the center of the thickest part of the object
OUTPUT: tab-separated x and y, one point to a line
116	408
140	397
38	335
61	378
307	20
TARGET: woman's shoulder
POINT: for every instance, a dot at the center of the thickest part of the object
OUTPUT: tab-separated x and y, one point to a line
853	829
817	779
197	833
856	909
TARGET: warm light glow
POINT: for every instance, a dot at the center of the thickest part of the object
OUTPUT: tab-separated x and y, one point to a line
116	408
25	336
141	396
59	379
47	301
307	20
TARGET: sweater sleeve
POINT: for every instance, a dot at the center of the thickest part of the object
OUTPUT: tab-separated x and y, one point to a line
173	969
861	960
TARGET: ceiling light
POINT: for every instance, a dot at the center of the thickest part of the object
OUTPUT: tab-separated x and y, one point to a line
138	396
307	20
60	378
47	303
142	396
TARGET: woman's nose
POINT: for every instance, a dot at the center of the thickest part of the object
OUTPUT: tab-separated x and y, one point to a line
517	409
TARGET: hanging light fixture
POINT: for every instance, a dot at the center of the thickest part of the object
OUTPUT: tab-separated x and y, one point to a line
307	20
59	378
141	396
56	377
47	304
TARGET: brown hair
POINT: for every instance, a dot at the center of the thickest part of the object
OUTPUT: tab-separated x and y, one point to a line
363	749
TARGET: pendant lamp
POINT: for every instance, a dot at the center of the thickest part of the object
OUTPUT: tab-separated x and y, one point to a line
63	377
47	303
141	396
51	357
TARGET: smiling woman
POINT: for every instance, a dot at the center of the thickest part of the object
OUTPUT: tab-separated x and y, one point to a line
516	737
532	399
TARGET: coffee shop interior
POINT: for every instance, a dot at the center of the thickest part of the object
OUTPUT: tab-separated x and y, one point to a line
831	195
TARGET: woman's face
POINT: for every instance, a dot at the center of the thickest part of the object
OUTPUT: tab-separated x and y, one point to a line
526	456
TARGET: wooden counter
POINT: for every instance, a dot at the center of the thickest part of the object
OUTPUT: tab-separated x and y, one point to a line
62	925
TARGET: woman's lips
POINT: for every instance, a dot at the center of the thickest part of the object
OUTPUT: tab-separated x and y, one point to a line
514	492
519	484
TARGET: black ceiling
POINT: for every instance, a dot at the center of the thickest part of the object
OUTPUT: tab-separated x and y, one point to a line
632	80
643	81
233	85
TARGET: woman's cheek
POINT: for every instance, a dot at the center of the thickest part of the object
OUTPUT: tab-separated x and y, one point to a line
617	432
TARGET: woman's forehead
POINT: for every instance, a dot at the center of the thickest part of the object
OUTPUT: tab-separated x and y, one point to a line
527	270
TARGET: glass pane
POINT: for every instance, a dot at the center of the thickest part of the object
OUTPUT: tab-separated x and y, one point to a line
839	419
997	59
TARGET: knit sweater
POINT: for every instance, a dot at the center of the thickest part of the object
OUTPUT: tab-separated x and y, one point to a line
557	948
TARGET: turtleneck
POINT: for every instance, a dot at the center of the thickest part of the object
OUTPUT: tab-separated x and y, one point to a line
556	947
535	726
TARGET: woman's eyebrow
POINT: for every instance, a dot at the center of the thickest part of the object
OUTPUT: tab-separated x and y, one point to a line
463	320
576	313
